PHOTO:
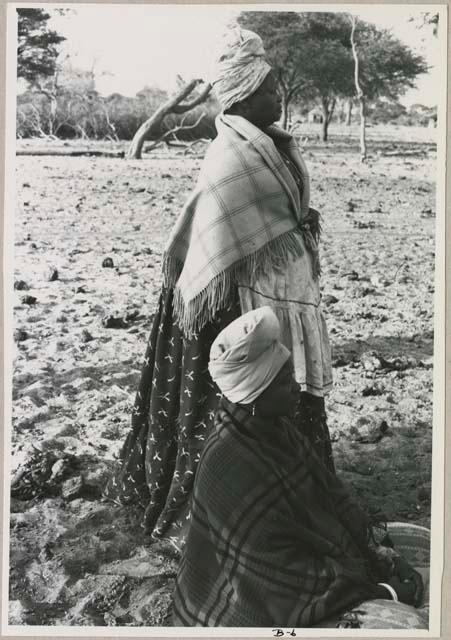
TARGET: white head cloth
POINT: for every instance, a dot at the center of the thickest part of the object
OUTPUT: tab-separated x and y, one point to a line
240	67
247	355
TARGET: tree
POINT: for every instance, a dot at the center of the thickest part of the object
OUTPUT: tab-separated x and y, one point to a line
37	47
153	125
388	67
310	55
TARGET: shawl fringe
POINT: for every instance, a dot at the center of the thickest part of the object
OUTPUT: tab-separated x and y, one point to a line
192	317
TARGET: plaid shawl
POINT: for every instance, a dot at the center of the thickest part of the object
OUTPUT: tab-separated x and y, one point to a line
275	539
242	217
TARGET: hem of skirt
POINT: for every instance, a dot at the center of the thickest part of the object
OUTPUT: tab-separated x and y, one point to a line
316	391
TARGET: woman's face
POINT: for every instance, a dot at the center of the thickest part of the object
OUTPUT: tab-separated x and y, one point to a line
263	107
280	397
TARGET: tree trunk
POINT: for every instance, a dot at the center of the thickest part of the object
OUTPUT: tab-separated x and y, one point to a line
360	96
348	113
362	128
152	126
325	127
284	121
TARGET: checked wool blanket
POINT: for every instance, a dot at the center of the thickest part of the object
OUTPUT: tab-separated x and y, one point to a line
275	539
242	217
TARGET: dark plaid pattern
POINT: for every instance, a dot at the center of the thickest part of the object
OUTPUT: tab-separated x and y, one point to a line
172	418
275	539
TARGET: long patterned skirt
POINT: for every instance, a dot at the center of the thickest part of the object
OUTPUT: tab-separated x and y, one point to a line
172	417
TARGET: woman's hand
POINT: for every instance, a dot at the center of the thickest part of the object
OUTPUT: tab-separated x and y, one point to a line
410	579
409	591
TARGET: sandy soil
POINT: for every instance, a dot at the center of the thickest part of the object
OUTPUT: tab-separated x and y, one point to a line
81	328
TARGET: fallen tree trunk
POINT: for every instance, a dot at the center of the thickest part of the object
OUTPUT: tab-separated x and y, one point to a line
152	126
70	152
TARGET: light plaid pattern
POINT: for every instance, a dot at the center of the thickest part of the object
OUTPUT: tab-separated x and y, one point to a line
242	213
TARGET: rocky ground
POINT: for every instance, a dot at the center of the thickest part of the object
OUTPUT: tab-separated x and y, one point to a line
89	235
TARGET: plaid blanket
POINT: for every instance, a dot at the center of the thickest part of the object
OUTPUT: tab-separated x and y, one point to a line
275	539
243	215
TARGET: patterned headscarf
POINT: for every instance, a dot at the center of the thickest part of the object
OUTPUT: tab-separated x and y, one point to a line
246	356
240	67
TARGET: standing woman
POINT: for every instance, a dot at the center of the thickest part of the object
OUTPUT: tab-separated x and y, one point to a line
245	238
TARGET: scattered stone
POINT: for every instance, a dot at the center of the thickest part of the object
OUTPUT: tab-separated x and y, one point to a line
61	318
371	361
365	225
373	390
86	336
368	430
147	251
351	206
138	189
72	488
353	275
136	227
20	335
58	470
329	299
114	322
81	290
52	274
132	315
166	175
29	300
107	263
21	285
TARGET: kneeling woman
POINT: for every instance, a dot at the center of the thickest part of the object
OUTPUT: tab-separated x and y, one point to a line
275	538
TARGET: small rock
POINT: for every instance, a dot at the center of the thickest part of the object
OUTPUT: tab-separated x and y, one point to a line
352	276
367	430
86	336
26	185
370	361
108	263
81	290
114	322
29	300
20	335
329	299
373	390
166	175
132	315
138	189
72	488
351	206
21	285
52	275
58	470
136	227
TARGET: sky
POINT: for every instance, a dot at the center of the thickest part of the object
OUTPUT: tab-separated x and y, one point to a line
131	46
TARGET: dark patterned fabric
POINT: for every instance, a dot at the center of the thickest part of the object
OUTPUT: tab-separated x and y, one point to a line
172	418
275	539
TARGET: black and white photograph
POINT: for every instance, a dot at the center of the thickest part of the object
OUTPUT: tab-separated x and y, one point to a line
224	319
